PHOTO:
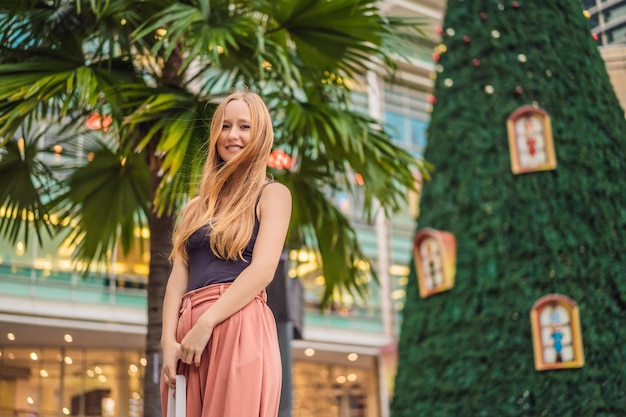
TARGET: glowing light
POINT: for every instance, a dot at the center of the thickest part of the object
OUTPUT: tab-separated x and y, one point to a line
21	147
353	357
352	377
34	356
68	360
20	248
11	337
43	373
400	270
341	379
398	294
68	338
309	352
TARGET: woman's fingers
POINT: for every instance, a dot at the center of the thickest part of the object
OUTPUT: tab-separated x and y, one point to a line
170	380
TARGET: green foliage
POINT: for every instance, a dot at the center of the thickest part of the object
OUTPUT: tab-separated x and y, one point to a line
157	68
468	352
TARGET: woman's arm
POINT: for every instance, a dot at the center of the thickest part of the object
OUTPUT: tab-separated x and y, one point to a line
274	216
176	287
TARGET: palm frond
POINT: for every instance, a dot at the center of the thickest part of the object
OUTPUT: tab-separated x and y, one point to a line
106	201
25	181
322	227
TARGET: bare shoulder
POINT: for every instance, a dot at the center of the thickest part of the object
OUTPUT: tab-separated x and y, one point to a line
275	195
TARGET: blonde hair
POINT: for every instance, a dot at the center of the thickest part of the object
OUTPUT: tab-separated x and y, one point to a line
229	191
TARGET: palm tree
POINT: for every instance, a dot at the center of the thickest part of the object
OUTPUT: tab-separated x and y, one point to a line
148	73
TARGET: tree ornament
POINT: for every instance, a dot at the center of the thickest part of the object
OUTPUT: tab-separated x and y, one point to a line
279	159
466	39
489	89
448	82
549	73
495	34
556	332
434	254
521	58
450	32
432	99
515	4
439	30
519	90
436	57
483	15
595	36
530	140
501	7
586	14
476	62
439	68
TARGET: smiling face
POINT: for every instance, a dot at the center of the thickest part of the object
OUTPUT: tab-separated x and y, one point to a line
235	133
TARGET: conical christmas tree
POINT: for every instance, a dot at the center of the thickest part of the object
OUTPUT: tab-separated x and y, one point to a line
557	225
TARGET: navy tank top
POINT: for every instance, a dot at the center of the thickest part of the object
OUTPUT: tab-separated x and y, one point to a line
205	268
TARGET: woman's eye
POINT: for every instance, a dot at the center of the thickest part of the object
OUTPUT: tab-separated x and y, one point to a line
245	126
225	126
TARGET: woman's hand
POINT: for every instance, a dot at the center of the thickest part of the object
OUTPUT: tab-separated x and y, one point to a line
170	362
194	342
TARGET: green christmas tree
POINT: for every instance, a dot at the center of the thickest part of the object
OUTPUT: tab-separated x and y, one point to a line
468	352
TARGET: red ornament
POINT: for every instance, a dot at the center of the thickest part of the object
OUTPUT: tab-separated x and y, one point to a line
439	30
519	90
436	57
432	99
595	36
278	159
483	15
476	62
466	39
515	4
97	122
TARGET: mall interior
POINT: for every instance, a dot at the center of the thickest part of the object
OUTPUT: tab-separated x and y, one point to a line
73	345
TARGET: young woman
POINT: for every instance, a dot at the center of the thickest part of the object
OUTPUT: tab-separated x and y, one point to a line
217	328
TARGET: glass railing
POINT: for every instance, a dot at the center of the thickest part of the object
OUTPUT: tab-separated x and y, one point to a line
25	281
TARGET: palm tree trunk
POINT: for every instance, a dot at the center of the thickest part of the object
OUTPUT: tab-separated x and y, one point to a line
160	247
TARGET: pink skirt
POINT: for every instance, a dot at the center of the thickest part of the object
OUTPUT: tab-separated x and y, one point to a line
240	374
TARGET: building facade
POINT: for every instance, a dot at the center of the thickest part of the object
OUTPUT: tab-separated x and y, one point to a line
607	19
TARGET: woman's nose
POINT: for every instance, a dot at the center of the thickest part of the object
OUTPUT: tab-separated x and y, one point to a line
233	133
